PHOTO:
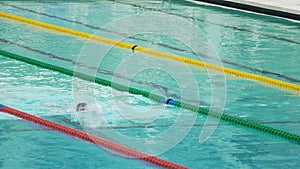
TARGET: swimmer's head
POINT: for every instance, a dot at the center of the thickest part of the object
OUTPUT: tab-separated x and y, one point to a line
81	107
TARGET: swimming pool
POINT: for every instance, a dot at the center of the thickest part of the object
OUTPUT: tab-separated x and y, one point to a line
244	41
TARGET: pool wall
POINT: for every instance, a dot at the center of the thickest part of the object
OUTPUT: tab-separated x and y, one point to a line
254	8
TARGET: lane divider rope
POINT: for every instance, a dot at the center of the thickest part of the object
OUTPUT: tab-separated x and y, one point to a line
159	99
267	80
290	79
93	139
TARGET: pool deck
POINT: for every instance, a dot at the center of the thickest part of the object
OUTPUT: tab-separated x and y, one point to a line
291	6
282	8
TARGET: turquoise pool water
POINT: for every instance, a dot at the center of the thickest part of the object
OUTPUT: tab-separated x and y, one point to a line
244	41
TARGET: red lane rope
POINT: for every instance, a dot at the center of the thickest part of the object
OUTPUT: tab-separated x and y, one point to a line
93	139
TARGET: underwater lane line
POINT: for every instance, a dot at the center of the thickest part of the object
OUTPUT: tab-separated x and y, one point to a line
206	21
156	10
230	71
291	79
166	90
294	138
23	130
138	127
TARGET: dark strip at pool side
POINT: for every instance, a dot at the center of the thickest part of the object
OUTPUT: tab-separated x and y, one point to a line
253	8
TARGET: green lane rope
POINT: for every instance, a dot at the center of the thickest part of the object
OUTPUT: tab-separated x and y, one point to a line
226	117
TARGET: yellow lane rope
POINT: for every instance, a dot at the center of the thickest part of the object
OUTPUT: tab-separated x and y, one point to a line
263	79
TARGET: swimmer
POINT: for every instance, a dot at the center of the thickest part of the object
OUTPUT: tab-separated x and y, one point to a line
89	115
81	107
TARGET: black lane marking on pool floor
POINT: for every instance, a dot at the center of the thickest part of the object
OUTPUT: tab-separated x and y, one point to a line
77	125
159	44
22	130
206	21
151	9
161	88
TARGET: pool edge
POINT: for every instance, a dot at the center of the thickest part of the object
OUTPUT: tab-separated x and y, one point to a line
255	7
